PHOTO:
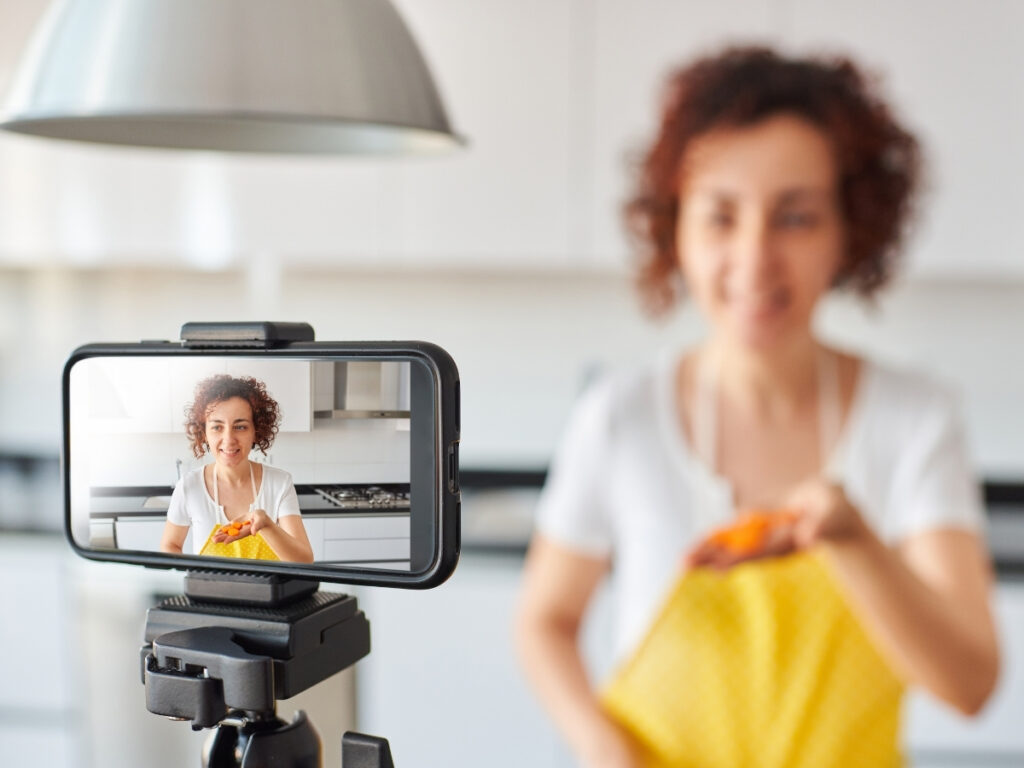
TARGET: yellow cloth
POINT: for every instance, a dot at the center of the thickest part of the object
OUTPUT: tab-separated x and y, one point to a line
254	547
762	666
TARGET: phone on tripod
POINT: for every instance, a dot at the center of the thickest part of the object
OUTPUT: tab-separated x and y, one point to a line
262	462
349	447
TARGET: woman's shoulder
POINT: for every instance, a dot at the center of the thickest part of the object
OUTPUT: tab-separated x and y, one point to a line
276	476
896	395
193	479
620	393
901	386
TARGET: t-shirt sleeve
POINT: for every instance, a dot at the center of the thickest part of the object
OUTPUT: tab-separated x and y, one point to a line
288	503
934	485
573	509
177	510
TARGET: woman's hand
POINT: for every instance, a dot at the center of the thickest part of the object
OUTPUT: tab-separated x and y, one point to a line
224	535
816	512
260	520
824	515
718	552
239	529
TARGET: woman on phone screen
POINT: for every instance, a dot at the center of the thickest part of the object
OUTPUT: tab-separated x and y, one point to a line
233	497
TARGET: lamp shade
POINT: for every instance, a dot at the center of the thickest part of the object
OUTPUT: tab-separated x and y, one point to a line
291	76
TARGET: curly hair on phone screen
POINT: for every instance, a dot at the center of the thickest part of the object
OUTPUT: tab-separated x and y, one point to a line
266	416
879	161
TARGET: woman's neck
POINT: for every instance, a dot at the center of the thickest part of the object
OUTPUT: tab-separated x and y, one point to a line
771	384
236	476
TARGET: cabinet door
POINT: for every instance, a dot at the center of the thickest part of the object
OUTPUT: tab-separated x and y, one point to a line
144	535
128	395
289	382
953	70
365	538
635	46
38	661
443	684
505	73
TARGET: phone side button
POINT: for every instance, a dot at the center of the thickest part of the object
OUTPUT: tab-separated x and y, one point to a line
453	468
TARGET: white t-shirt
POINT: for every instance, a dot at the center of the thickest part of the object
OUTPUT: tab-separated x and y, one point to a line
191	504
626	484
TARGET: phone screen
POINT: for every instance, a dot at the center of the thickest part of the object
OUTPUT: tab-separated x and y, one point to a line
329	461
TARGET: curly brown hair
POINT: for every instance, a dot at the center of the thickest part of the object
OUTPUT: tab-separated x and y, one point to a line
879	161
266	416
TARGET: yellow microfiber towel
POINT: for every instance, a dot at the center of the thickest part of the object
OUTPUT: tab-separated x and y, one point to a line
253	547
760	666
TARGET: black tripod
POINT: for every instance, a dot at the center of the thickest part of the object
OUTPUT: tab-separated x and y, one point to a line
222	654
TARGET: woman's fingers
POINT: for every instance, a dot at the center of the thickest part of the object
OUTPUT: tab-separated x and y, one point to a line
233	532
755	538
826	514
260	519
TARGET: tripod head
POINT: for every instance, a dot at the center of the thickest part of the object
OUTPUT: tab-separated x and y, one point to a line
222	654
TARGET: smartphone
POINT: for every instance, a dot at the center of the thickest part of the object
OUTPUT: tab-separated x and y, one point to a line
332	461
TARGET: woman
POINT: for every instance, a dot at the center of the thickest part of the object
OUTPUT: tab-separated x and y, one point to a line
228	418
771	181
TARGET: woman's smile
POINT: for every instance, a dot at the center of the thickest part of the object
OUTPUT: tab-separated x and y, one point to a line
760	305
229	430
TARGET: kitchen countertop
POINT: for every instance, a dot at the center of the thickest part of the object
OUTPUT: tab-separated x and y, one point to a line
498	513
151	502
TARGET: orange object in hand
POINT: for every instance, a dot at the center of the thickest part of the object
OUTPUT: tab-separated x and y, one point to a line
751	531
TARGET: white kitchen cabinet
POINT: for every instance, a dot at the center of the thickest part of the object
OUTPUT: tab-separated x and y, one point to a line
507	74
442	683
137	395
40	666
953	72
126	395
290	383
40	741
366	538
635	46
142	535
37	666
553	97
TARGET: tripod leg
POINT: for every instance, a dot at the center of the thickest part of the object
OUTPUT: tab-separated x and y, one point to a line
361	751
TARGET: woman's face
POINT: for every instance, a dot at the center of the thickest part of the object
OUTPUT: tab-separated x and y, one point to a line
760	232
230	432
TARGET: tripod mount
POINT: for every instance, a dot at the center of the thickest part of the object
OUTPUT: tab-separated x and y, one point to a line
221	655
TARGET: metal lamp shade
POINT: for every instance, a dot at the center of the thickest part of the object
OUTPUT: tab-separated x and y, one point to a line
299	76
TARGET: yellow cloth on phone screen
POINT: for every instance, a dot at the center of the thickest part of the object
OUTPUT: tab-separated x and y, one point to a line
253	546
762	666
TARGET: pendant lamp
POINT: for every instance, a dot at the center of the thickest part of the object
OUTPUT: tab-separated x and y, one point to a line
287	76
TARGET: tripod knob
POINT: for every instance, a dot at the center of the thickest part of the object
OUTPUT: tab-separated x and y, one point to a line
359	750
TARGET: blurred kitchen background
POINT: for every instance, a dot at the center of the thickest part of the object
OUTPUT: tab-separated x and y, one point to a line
509	254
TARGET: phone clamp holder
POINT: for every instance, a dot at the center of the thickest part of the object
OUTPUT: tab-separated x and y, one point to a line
222	654
222	664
